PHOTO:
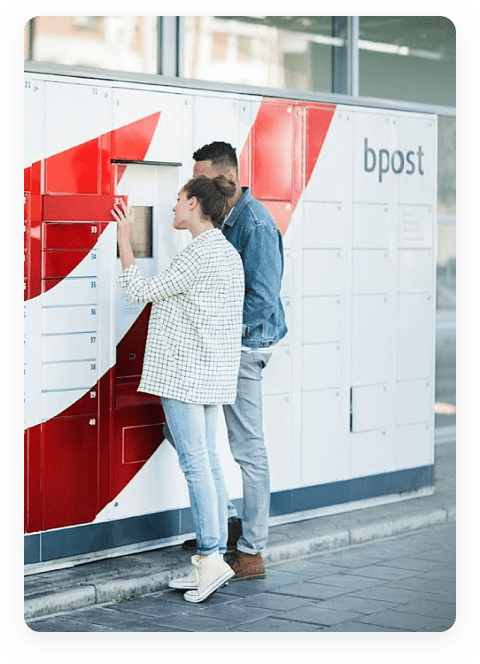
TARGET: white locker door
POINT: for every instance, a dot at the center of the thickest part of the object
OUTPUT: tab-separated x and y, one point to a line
415	336
75	113
372	340
167	144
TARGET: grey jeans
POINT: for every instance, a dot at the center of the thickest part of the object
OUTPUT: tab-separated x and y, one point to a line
245	434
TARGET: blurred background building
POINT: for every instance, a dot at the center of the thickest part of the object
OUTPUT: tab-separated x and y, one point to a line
398	62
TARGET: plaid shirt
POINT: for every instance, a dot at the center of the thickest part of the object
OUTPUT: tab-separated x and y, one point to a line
194	334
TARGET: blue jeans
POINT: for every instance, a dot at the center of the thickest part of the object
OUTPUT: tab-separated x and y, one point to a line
193	429
245	435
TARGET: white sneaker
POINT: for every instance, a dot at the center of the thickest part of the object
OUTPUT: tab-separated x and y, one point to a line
189	582
213	572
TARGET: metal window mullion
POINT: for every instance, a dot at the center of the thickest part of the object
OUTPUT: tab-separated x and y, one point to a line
353	60
168	39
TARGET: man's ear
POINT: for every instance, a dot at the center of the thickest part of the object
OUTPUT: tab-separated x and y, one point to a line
231	174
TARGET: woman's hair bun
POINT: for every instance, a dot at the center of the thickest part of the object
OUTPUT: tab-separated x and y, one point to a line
213	195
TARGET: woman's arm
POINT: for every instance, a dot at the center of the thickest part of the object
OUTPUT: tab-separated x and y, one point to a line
125	220
175	280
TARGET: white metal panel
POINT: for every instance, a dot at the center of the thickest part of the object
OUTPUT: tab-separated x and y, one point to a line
413	401
288	309
415	271
322	366
323	272
277	428
331	177
325	452
69	375
75	113
58	347
217	119
415	228
372	226
322	319
133	105
414	446
276	378
371	453
58	320
415	336
323	225
83	290
418	143
287	279
371	271
370	407
33	137
376	138
372	343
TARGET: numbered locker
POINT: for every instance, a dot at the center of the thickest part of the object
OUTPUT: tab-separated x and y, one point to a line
323	272
68	236
77	127
65	490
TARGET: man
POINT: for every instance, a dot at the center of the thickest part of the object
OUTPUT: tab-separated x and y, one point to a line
252	231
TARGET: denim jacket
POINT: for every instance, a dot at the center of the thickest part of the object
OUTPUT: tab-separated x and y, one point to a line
254	234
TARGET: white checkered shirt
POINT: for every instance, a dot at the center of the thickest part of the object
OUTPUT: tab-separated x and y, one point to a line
194	334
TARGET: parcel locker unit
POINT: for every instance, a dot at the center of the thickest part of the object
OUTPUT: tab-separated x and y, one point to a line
348	393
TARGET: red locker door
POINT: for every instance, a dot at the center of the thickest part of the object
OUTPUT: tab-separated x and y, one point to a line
273	151
137	417
70	471
73	470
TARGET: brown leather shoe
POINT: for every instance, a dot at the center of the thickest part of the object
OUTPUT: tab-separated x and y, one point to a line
234	533
246	565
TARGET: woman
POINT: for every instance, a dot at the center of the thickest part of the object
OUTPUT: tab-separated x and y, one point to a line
192	357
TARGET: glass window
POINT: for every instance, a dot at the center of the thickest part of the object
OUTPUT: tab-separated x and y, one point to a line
410	58
445	374
292	52
446	165
127	43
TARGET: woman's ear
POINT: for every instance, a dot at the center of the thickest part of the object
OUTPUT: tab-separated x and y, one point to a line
192	203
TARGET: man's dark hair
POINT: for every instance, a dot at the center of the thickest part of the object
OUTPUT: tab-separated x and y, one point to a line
222	155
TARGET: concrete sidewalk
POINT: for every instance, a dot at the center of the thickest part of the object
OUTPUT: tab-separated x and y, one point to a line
130	576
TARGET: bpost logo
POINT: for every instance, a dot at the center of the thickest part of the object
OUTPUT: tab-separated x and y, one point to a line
397	162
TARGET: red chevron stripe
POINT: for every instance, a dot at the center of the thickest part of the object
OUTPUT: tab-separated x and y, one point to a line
275	142
272	154
86	172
